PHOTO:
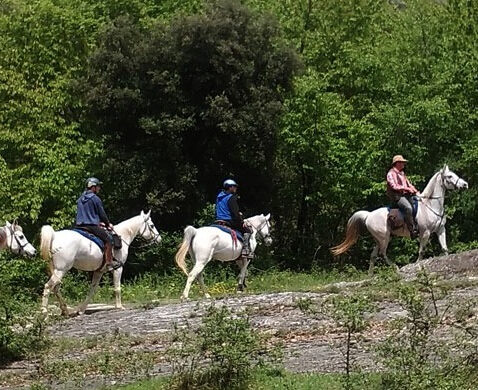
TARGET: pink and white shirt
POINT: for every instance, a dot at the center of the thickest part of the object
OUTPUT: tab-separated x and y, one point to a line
398	182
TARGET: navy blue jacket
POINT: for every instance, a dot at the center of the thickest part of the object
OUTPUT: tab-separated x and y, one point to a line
90	210
227	208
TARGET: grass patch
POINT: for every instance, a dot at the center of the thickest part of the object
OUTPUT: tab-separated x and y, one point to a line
220	282
267	380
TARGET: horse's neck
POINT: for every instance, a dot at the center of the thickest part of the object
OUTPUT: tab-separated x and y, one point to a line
434	192
129	229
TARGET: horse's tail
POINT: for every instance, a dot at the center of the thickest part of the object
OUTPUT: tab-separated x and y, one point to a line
47	234
354	225
180	257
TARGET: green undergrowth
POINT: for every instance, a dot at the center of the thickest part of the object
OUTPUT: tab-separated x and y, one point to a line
268	380
220	282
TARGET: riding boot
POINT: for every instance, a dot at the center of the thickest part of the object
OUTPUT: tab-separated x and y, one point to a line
246	247
412	227
108	253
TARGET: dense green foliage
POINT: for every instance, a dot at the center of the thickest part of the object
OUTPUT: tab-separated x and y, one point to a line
303	102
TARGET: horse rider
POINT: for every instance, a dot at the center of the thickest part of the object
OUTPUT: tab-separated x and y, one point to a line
401	192
90	214
227	213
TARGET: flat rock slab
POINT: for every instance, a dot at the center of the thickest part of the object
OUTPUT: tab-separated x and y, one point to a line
459	265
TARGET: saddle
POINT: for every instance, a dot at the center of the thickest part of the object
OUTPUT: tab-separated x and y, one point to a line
396	217
235	234
114	238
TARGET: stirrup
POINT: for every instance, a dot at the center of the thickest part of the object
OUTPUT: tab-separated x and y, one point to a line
114	265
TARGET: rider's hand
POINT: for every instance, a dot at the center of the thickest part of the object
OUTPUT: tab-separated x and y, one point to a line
110	226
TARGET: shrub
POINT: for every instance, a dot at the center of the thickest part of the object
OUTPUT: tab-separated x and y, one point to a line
221	354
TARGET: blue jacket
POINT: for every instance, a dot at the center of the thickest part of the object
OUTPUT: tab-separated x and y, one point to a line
90	210
223	212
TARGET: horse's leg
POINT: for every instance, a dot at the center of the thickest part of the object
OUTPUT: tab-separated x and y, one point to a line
54	280
117	287
242	263
442	239
202	285
423	243
61	300
95	282
383	252
197	269
373	257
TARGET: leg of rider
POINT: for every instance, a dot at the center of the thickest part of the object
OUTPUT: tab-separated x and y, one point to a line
103	236
246	232
406	207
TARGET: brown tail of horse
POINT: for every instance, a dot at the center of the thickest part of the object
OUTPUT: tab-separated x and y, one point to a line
354	226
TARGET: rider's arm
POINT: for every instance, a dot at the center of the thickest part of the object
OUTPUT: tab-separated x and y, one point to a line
411	188
101	211
234	208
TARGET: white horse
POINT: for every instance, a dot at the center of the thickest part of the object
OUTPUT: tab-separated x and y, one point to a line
12	238
209	242
430	218
66	249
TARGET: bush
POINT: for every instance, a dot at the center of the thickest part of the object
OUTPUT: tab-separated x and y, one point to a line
221	354
21	329
416	355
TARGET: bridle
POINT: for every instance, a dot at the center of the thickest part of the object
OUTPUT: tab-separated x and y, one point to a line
151	241
259	229
21	247
443	180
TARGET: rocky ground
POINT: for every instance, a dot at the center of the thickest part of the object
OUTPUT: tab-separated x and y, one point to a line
313	342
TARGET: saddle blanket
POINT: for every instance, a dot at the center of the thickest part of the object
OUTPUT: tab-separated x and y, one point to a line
229	230
91	237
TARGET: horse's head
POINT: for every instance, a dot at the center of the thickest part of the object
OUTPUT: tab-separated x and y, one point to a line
148	231
263	227
451	180
12	237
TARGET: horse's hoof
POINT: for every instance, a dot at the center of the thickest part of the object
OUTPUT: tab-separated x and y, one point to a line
120	307
207	296
184	299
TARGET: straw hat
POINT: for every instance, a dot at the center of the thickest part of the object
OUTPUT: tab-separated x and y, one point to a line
398	158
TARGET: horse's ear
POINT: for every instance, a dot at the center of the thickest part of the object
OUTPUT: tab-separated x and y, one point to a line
142	213
148	214
268	216
7	224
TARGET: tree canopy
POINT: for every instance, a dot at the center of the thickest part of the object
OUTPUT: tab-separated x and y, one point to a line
303	102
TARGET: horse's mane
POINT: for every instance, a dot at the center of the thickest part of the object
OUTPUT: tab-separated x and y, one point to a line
428	191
